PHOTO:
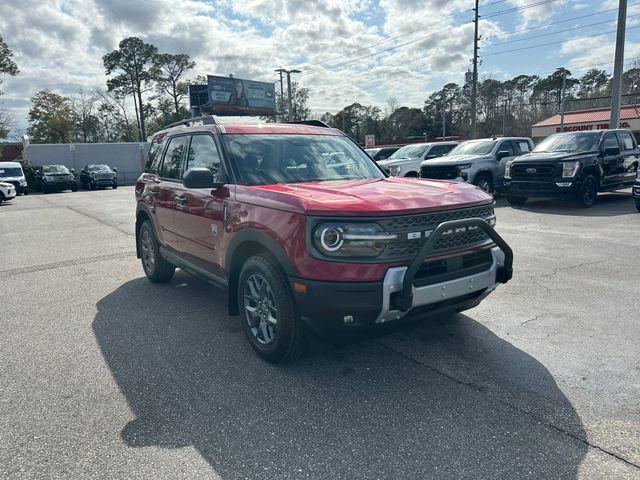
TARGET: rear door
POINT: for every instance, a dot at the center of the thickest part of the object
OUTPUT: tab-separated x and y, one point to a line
167	187
630	156
199	213
612	165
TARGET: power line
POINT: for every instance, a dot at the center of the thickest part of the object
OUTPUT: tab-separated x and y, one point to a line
546	34
553	43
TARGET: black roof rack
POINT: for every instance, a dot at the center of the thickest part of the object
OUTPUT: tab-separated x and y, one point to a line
313	123
187	122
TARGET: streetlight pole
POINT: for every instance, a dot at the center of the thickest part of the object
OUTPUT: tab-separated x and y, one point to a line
444	124
562	96
616	87
474	83
279	70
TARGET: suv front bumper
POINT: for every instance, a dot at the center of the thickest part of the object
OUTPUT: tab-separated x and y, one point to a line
332	306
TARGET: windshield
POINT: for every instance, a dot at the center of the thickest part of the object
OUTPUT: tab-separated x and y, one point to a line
55	169
94	168
475	147
268	159
410	151
569	142
10	172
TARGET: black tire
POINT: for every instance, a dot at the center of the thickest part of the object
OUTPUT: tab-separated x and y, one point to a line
45	189
26	192
74	189
588	191
484	182
92	186
1	198
516	201
637	200
411	175
156	268
114	186
281	338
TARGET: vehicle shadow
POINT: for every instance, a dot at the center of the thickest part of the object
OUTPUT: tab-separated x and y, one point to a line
469	405
607	205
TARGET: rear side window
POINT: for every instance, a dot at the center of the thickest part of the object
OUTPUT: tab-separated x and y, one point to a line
439	150
153	158
203	153
522	147
627	141
173	157
610	141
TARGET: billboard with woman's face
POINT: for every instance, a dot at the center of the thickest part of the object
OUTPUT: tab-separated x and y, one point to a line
235	96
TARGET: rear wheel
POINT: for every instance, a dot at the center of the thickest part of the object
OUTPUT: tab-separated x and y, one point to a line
515	201
588	191
268	313
485	182
157	269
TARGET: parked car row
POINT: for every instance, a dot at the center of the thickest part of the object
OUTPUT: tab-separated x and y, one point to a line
573	165
51	178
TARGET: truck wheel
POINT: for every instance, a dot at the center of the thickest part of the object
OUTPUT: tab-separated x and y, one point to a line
1	198
45	189
114	186
92	186
156	268
515	201
412	175
267	313
637	200
588	191
485	182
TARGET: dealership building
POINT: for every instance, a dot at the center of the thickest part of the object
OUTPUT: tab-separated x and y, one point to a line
585	120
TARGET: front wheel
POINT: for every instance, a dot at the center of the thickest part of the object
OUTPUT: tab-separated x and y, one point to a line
156	268
485	182
267	312
516	201
588	191
637	200
114	186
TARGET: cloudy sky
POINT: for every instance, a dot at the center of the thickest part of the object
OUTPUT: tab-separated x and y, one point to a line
349	50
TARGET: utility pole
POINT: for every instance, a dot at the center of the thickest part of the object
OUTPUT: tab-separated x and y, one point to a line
288	73
474	83
616	88
281	92
562	97
504	119
444	123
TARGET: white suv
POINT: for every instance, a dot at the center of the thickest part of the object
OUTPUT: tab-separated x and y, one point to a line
7	191
406	161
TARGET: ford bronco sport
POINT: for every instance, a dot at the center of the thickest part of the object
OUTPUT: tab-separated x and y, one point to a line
303	229
574	165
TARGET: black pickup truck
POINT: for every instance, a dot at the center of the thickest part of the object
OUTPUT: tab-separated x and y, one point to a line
574	165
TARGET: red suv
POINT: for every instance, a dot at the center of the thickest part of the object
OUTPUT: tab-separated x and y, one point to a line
304	230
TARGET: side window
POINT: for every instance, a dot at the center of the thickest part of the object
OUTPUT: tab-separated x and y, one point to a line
173	157
627	141
439	150
522	147
153	157
203	153
506	146
610	141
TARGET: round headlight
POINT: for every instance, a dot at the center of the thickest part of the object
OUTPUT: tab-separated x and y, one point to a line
395	170
331	238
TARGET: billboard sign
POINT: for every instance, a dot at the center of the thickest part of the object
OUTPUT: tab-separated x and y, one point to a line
369	141
233	96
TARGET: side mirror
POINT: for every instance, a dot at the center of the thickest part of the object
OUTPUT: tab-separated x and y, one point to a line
430	156
502	154
611	151
199	178
115	169
72	170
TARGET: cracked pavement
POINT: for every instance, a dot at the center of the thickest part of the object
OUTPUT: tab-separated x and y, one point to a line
105	375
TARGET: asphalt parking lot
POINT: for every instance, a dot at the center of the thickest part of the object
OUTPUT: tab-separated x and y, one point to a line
105	375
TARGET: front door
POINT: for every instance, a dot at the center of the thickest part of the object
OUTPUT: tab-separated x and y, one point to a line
199	212
164	192
630	156
501	164
612	165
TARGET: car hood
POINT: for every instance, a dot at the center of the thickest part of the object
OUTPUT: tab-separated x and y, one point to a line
456	159
12	179
553	156
370	197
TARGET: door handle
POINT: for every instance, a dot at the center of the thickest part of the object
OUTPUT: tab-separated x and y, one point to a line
181	199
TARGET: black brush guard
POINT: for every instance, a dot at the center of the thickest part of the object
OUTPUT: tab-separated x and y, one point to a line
403	300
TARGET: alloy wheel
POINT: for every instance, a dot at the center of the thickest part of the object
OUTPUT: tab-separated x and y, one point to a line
260	307
148	250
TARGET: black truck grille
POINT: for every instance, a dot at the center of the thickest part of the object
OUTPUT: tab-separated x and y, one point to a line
533	171
407	226
447	172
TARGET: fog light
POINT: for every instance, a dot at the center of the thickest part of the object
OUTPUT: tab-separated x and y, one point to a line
563	184
347	319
